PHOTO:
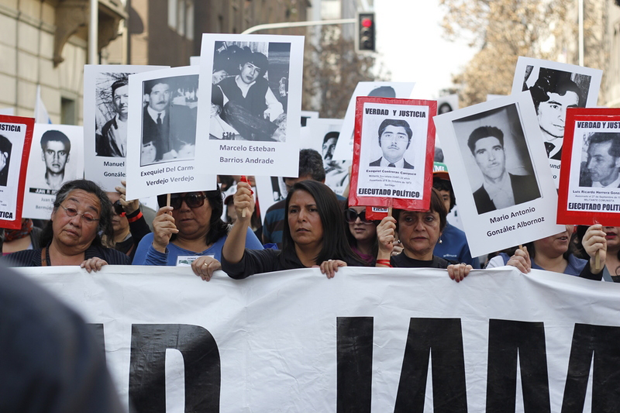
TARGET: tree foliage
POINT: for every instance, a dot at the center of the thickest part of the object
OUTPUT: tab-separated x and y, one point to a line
332	69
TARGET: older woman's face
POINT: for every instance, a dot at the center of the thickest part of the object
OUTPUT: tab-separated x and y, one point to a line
419	232
304	220
193	222
76	231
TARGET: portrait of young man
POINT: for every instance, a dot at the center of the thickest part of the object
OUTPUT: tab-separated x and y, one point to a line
500	189
553	93
112	142
56	148
168	131
394	140
5	159
601	169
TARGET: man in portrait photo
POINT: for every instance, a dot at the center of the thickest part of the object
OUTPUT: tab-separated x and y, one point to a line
112	142
168	131
5	159
552	95
56	148
250	106
500	189
394	139
602	169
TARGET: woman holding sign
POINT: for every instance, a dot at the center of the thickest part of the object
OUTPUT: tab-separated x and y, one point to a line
313	235
419	232
189	232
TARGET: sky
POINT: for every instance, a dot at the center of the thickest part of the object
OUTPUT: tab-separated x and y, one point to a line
410	44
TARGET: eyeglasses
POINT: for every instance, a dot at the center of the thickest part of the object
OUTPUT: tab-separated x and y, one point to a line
86	216
192	200
118	208
351	215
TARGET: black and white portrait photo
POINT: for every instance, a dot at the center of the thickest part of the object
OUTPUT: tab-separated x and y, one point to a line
600	164
55	153
250	91
112	96
5	159
169	119
502	173
394	138
336	170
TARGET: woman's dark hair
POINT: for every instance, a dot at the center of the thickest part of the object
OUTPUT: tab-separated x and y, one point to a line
437	205
105	216
217	227
335	245
353	241
445	185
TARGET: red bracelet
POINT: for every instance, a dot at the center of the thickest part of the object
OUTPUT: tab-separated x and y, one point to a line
387	263
134	219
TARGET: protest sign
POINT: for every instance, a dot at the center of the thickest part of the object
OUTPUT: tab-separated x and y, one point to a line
162	123
7	111
306	114
56	157
447	104
15	141
106	105
590	176
250	105
370	339
344	149
500	173
554	87
394	150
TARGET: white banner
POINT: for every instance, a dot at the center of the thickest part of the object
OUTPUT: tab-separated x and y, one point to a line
369	340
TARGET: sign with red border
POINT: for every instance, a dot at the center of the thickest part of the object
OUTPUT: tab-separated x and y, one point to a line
15	140
393	153
589	189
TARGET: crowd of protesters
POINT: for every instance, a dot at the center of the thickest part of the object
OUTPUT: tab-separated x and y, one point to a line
312	227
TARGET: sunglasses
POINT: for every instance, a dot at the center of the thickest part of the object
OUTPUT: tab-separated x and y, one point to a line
118	208
192	200
351	215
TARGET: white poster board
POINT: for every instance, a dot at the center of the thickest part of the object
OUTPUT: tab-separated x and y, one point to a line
162	124
250	104
56	157
495	145
106	103
555	87
344	149
324	136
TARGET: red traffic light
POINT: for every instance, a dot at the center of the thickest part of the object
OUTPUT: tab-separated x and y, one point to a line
366	22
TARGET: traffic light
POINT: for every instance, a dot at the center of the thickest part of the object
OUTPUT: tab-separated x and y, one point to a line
365	32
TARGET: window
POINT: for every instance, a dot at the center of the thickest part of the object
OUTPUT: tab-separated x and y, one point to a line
67	111
181	17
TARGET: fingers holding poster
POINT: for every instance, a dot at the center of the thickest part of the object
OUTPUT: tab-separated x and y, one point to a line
394	150
590	179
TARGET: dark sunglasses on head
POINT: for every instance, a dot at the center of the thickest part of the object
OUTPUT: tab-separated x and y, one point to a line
351	215
118	208
192	200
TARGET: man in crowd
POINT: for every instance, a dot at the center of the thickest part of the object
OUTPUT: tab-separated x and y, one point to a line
168	131
500	189
5	159
56	149
310	167
394	140
552	96
251	106
603	165
452	245
113	138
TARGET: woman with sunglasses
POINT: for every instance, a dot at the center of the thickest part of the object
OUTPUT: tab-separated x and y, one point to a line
82	211
190	229
313	235
362	234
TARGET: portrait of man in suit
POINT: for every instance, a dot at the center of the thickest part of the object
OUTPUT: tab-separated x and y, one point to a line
602	168
500	189
168	130
394	139
5	159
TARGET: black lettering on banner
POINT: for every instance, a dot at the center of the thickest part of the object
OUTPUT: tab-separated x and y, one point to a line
508	338
602	341
201	360
443	338
354	364
97	330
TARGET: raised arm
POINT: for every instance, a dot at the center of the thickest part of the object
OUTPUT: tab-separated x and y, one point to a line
234	246
385	237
